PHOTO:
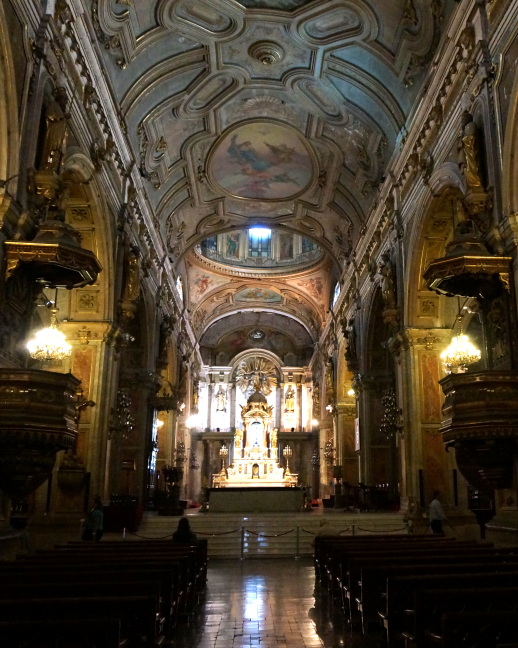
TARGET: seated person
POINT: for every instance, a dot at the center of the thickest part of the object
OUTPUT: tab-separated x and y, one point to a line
183	534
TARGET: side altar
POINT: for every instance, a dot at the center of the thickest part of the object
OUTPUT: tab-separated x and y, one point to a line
255	462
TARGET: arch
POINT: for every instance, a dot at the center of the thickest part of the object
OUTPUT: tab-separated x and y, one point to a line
509	157
9	111
432	230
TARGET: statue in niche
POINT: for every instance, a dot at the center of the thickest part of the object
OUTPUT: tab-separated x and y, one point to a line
470	153
195	395
273	438
55	138
289	400
166	329
329	376
388	288
349	331
238	438
132	286
221	400
316	401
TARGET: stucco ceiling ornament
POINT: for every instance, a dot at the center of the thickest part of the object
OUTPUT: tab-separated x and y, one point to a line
266	106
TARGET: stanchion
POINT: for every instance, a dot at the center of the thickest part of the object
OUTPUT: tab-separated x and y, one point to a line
123	532
297	549
242	543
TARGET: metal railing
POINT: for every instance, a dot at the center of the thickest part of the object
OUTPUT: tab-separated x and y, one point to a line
244	534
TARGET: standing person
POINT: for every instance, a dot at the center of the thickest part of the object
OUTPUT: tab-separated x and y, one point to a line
183	534
94	521
436	514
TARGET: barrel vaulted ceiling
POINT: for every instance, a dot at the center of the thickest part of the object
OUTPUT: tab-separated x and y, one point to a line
283	113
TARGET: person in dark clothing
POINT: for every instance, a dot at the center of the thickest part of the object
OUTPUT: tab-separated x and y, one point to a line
183	534
94	521
436	514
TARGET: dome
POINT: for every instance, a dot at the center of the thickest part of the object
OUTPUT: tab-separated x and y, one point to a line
257	397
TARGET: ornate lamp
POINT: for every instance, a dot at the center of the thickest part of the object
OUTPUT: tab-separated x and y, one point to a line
459	354
49	343
287	452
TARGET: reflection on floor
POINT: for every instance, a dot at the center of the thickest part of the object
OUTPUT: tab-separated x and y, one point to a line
267	603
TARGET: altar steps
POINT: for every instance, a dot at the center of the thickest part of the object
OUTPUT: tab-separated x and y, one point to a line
235	535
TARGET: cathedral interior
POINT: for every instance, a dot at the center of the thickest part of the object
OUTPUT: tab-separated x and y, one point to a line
310	201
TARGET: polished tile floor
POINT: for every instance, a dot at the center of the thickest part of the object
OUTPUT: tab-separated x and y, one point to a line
266	603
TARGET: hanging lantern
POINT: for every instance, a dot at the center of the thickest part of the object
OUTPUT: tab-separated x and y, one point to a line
49	343
461	353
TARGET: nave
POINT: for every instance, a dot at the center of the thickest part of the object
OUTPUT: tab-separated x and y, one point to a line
266	603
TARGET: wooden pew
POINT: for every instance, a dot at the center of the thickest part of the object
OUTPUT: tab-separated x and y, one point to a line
488	629
60	633
425	619
172	575
334	555
197	554
109	567
137	614
373	574
361	576
98	580
401	589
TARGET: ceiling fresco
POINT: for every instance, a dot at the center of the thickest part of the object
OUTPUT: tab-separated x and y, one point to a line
279	113
300	293
261	161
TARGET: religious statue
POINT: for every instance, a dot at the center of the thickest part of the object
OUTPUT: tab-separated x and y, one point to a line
55	138
316	401
349	331
132	286
329	376
388	288
221	399
238	438
273	438
289	400
166	329
470	153
195	395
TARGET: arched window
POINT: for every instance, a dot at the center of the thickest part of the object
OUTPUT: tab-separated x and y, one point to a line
336	294
259	242
179	287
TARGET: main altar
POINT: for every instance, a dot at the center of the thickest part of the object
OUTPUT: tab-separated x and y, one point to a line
255	453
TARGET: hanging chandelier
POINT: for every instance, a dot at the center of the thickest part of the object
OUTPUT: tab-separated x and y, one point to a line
459	354
49	343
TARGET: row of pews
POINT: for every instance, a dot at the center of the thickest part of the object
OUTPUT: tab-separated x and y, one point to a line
426	591
109	594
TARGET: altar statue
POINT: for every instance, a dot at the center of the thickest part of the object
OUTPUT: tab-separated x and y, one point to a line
289	400
221	399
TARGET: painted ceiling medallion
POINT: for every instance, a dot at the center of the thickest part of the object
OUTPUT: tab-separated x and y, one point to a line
266	52
262	160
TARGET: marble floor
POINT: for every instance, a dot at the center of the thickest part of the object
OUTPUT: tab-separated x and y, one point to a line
267	603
